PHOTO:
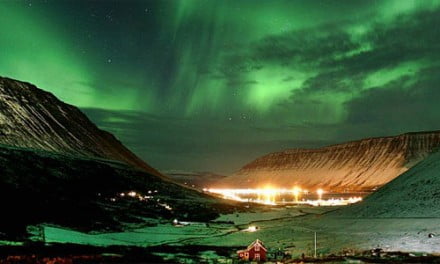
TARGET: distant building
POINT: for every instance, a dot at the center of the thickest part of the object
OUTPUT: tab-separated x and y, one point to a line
254	252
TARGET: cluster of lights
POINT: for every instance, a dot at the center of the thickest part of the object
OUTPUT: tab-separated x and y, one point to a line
268	196
166	206
266	190
334	202
265	195
140	197
134	194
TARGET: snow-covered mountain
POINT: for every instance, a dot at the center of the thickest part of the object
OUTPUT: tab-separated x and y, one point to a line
33	118
357	165
415	193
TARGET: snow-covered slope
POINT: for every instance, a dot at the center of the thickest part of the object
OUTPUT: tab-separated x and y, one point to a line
33	118
357	165
416	193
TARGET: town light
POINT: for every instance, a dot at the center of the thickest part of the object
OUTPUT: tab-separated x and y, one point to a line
269	194
320	192
272	196
296	191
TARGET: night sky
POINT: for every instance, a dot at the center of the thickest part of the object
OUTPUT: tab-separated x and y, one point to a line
198	85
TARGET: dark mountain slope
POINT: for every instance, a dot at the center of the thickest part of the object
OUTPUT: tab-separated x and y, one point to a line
85	194
33	118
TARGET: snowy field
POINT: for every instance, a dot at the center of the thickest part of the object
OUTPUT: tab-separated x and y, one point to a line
249	217
147	236
337	235
291	229
167	233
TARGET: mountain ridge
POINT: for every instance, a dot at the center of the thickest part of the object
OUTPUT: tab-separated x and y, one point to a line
34	118
355	165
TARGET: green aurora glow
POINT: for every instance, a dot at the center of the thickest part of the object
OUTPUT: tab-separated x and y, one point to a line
209	85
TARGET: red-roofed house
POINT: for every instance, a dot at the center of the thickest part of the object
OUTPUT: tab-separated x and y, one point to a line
254	252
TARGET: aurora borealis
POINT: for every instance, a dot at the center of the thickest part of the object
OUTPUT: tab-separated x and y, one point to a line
208	85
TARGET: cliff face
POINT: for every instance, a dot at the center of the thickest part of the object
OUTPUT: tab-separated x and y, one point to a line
357	165
33	118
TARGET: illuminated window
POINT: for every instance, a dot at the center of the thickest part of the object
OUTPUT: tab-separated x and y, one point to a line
257	256
257	247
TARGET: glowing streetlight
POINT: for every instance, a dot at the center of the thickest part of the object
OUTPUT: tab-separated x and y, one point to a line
296	191
269	194
320	192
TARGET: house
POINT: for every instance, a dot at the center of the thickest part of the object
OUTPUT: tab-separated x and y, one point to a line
254	252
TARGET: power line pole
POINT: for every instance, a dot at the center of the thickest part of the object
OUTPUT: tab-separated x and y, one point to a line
315	244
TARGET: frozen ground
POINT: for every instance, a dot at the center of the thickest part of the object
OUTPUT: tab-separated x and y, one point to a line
146	236
167	233
248	217
338	234
288	228
335	235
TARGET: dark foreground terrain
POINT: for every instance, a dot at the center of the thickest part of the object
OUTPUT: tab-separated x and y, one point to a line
89	194
71	253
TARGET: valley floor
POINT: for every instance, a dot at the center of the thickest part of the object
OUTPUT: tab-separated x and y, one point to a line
290	229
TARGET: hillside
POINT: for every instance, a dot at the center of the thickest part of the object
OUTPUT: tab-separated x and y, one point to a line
358	165
57	167
33	118
416	193
85	194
